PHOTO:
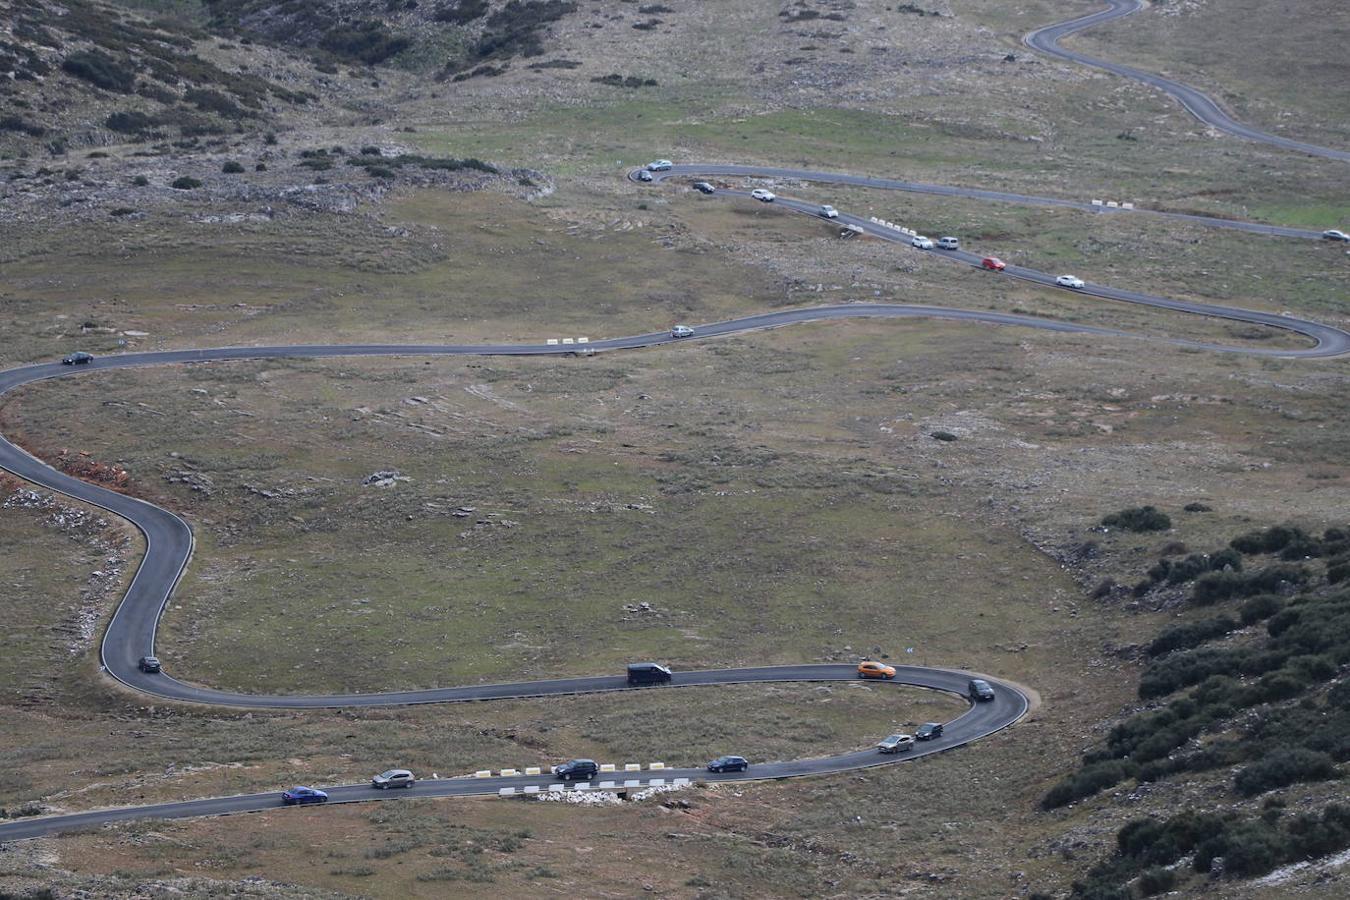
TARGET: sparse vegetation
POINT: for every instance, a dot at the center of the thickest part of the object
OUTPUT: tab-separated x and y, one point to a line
1139	518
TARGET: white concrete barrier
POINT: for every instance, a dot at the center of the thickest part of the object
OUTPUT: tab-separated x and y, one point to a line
552	342
582	786
568	341
656	782
531	788
632	782
680	782
1096	203
483	773
506	792
556	788
583	340
509	773
656	767
607	767
632	767
533	770
606	784
1127	206
1112	204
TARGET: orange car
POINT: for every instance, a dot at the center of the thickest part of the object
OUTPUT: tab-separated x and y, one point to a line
870	669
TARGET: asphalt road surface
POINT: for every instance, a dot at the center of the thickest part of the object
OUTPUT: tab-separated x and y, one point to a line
982	719
1046	40
709	170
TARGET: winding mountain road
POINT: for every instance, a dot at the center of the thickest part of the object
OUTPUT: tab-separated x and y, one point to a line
1046	40
169	542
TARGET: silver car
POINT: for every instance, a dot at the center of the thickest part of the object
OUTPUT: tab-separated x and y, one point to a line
896	743
681	331
393	778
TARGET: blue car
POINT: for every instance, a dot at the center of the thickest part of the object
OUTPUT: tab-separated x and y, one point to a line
300	795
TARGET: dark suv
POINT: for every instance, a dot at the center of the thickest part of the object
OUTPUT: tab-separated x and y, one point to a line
149	664
648	673
577	770
928	731
979	690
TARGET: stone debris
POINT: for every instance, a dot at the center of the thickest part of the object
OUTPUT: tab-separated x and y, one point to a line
385	478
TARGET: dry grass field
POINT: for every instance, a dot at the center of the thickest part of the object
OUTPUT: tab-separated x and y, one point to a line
775	497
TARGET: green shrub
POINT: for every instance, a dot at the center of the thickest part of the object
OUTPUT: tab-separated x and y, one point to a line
1191	634
213	101
231	167
1283	767
1216	586
1248	849
185	183
1089	780
140	181
1312	835
130	122
1181	670
1140	519
369	42
1260	607
461	12
100	70
1272	540
1156	881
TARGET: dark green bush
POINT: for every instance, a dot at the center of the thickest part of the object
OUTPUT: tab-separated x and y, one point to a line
1191	634
1087	781
1272	540
100	70
1312	835
140	181
1216	586
185	183
1141	518
369	42
1181	670
1260	607
130	122
1156	881
1283	767
231	168
214	101
1248	849
461	12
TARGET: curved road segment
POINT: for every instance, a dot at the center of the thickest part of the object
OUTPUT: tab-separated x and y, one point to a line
1046	40
1009	705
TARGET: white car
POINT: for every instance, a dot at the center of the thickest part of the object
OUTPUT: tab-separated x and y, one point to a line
762	195
1069	281
1333	234
949	243
681	331
829	211
922	242
661	165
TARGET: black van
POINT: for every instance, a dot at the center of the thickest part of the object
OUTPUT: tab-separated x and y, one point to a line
648	673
